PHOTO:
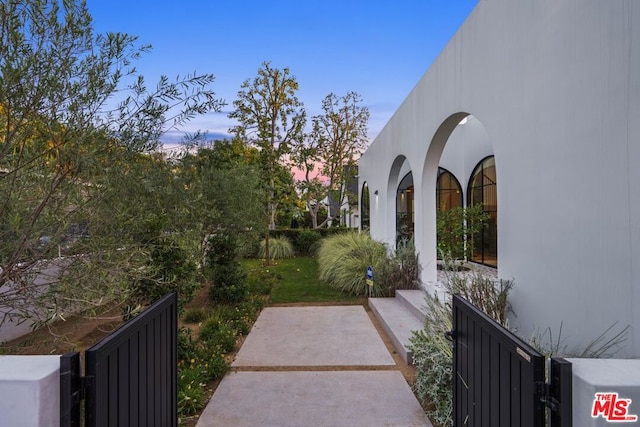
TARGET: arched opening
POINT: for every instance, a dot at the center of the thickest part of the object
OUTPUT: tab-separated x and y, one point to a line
458	144
482	190
405	209
365	208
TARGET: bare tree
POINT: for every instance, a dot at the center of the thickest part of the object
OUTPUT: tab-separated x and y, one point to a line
337	139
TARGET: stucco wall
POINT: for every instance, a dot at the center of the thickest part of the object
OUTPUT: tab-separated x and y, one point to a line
556	86
30	391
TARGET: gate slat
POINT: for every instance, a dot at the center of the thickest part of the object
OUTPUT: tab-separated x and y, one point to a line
515	380
124	386
477	374
134	382
494	365
486	374
504	383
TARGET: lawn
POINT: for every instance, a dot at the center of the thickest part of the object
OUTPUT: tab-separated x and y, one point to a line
298	281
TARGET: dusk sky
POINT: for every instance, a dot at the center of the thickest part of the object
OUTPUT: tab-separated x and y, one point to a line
379	49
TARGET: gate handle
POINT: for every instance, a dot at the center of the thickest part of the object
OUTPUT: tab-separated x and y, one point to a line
450	335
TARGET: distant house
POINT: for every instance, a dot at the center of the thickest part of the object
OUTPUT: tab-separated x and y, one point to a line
343	206
533	111
349	206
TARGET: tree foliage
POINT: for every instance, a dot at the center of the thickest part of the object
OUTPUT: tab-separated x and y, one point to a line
272	119
223	186
457	230
74	117
338	137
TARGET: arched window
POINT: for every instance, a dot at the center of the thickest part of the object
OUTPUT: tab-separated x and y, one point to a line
448	191
483	191
405	209
365	208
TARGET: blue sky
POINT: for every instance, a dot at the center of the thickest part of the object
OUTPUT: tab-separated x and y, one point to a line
375	48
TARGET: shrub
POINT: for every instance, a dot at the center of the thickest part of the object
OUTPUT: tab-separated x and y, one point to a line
433	359
190	389
279	248
343	260
169	269
228	281
194	316
489	295
307	241
457	229
197	363
248	245
219	334
216	366
251	308
221	249
400	270
238	317
186	345
229	285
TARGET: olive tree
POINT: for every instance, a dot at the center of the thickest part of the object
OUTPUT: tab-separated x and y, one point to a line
74	114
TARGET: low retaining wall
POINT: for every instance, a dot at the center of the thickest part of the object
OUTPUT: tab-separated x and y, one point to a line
30	391
605	391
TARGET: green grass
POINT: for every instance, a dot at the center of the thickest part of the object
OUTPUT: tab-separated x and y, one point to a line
297	281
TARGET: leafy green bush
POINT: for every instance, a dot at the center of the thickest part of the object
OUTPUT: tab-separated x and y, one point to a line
279	248
186	345
228	281
343	260
215	365
221	249
457	229
307	241
191	382
251	307
248	245
168	269
198	362
229	284
218	333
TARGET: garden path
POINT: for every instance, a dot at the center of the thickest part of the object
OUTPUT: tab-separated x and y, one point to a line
314	366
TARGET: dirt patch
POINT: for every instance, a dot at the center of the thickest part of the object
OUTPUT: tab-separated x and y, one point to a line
76	333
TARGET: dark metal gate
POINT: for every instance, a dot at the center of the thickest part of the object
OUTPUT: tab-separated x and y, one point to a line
499	380
130	376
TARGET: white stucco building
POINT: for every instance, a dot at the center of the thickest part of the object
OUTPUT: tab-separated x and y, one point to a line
550	90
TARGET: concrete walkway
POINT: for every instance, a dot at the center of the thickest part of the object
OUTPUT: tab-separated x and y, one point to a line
313	366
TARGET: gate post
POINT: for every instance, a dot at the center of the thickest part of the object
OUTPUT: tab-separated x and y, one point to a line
70	390
561	390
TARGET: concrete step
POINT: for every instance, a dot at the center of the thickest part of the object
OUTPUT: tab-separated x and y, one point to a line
414	301
398	322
